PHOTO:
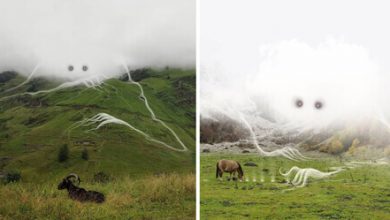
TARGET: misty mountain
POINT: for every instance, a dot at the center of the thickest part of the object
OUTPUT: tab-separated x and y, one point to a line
366	137
34	127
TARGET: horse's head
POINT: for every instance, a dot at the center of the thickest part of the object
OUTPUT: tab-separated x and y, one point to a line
240	172
241	176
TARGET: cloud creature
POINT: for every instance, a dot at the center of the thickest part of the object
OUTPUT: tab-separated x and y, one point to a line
302	175
77	39
301	86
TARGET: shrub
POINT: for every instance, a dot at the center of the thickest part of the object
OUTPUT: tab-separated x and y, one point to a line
84	154
7	76
101	177
354	146
336	147
12	176
63	154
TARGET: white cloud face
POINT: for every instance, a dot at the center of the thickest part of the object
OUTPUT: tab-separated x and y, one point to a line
317	86
349	74
302	85
95	33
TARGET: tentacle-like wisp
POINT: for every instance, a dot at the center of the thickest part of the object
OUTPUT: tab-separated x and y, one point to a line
90	82
26	81
287	152
103	119
145	100
302	175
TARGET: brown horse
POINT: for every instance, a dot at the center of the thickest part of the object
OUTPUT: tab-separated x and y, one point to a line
229	166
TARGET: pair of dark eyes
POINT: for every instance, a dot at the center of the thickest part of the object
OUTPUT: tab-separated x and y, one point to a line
317	104
71	68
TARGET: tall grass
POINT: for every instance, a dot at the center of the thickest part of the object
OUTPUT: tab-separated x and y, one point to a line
168	196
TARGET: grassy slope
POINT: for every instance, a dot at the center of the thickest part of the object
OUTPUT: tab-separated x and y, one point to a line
362	193
31	134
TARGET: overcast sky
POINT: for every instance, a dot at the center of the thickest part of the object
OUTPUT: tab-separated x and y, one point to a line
261	55
232	29
97	33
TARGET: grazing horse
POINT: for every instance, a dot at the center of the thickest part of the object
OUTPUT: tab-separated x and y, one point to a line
229	166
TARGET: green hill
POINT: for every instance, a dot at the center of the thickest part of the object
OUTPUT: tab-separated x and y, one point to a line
33	128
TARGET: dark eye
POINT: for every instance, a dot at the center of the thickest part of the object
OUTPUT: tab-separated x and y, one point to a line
298	103
318	105
70	68
85	68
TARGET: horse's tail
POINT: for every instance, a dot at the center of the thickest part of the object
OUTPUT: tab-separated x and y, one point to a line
217	172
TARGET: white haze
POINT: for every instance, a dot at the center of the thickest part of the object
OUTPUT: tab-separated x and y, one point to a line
338	74
100	34
262	59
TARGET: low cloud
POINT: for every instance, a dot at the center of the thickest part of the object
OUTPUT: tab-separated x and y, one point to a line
341	76
98	34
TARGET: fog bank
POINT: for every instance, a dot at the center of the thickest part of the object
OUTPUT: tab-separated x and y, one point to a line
97	34
301	85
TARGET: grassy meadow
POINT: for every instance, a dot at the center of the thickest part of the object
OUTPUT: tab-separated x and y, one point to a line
167	196
360	193
148	181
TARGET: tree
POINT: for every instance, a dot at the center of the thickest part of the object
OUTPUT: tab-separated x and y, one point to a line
101	177
13	176
336	147
63	154
84	154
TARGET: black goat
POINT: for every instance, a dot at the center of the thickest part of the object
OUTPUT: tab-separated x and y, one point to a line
80	194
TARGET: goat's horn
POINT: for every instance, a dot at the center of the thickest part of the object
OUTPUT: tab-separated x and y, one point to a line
75	176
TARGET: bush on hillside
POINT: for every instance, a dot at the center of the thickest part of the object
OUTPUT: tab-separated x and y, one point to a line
101	177
7	76
63	154
12	176
84	154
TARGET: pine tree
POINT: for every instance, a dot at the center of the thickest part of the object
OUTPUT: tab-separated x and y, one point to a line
84	154
63	154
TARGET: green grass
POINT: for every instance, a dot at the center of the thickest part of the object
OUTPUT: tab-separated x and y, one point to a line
33	128
361	193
